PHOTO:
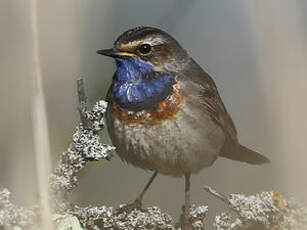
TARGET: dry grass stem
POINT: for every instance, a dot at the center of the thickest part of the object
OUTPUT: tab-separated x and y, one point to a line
40	125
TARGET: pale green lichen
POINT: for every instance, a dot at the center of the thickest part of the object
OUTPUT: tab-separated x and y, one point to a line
67	222
266	210
14	216
107	218
86	146
257	208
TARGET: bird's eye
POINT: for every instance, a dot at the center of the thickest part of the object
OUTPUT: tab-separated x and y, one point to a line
145	49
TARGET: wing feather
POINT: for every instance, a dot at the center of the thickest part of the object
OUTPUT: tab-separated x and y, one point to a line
209	98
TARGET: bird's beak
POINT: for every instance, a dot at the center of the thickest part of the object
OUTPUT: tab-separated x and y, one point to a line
114	53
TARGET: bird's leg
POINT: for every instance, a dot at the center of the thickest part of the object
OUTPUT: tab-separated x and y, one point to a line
140	197
137	204
186	214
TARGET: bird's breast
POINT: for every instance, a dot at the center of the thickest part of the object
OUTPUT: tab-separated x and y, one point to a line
165	110
173	139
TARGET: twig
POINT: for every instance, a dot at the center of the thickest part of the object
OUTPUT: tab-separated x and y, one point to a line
81	93
218	195
83	105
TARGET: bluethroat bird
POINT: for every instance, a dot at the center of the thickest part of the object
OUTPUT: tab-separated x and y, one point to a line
165	113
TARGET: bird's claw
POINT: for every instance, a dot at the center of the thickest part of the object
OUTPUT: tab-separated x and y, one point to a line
128	208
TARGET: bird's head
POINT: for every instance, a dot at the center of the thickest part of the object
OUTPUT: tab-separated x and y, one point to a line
149	49
147	60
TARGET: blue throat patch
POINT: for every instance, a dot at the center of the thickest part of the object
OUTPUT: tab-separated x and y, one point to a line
136	86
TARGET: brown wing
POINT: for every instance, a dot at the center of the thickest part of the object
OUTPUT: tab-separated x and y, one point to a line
213	102
204	89
209	98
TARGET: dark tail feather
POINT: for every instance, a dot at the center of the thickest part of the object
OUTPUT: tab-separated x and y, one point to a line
241	153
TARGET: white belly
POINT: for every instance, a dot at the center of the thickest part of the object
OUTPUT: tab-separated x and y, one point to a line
184	144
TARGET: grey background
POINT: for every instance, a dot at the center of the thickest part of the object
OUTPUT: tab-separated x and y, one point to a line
256	52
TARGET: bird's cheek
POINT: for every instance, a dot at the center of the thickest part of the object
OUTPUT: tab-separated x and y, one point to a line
161	56
158	61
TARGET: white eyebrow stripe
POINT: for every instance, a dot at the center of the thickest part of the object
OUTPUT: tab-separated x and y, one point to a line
153	41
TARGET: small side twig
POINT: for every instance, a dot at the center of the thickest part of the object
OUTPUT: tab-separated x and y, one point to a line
218	195
81	93
82	108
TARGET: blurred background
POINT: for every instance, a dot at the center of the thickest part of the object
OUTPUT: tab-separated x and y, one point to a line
256	51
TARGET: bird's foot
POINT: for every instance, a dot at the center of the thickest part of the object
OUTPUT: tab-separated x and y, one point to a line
185	219
137	204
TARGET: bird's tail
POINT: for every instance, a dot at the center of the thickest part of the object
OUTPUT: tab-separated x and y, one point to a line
240	153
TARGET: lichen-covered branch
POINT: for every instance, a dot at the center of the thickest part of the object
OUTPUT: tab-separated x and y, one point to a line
86	146
104	218
12	215
265	210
